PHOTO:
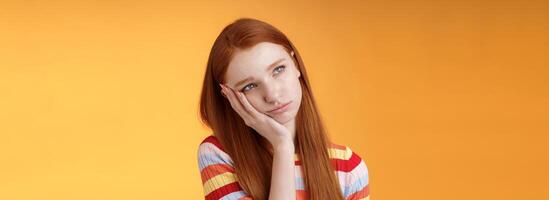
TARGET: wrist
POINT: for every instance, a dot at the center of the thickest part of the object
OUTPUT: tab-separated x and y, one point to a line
284	147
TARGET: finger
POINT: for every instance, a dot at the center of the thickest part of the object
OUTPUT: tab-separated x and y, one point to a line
223	91
234	98
231	99
247	106
235	103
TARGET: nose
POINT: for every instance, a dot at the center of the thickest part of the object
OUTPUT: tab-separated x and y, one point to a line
272	93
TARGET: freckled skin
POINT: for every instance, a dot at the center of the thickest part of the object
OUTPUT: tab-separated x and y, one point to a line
269	89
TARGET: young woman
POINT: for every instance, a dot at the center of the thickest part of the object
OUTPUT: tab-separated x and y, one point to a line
268	139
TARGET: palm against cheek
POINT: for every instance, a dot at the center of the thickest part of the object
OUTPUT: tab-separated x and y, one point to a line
241	105
263	124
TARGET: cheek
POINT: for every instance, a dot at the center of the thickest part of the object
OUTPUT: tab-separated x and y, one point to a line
293	86
254	100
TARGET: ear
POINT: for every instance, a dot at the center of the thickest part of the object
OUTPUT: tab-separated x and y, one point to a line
292	53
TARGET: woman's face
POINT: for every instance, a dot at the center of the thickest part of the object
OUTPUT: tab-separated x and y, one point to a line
267	75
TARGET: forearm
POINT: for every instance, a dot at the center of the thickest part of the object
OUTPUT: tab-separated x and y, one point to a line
283	174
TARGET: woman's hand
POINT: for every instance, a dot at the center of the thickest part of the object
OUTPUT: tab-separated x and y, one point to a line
277	134
283	173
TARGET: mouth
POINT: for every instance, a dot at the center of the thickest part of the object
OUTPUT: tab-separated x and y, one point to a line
281	108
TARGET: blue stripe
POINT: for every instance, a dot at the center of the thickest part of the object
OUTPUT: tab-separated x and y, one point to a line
206	159
234	195
299	184
357	185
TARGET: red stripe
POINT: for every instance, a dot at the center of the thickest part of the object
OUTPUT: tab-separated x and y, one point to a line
349	165
214	170
338	164
301	195
222	191
364	192
213	140
342	165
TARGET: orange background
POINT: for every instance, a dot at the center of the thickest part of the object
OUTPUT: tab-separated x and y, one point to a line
442	99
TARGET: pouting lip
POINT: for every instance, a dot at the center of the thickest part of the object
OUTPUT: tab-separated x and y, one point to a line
279	107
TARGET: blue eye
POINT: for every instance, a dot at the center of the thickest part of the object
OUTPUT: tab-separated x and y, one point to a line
278	69
244	89
281	67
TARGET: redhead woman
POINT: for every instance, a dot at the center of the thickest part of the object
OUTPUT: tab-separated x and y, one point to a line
268	140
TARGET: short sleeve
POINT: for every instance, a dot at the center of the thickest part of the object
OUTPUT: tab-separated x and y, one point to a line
218	176
357	179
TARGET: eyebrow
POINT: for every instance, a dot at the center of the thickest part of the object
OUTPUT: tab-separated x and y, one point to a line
250	78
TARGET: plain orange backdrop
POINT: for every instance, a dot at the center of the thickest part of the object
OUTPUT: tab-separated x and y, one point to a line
442	99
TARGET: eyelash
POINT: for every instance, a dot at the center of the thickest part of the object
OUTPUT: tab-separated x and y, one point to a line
282	67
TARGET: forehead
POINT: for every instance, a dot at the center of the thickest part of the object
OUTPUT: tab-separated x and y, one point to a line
253	61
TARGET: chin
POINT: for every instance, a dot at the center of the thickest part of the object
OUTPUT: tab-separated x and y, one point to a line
285	117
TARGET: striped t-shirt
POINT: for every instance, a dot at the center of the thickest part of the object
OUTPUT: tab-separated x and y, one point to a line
219	177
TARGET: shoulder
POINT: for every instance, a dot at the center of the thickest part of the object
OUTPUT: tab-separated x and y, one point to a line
345	155
211	152
217	171
347	161
352	171
211	140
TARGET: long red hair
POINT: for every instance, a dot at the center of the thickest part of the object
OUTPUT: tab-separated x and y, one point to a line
248	149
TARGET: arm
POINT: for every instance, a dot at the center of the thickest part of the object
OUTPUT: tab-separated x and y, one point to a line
282	179
357	181
217	173
283	174
219	178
